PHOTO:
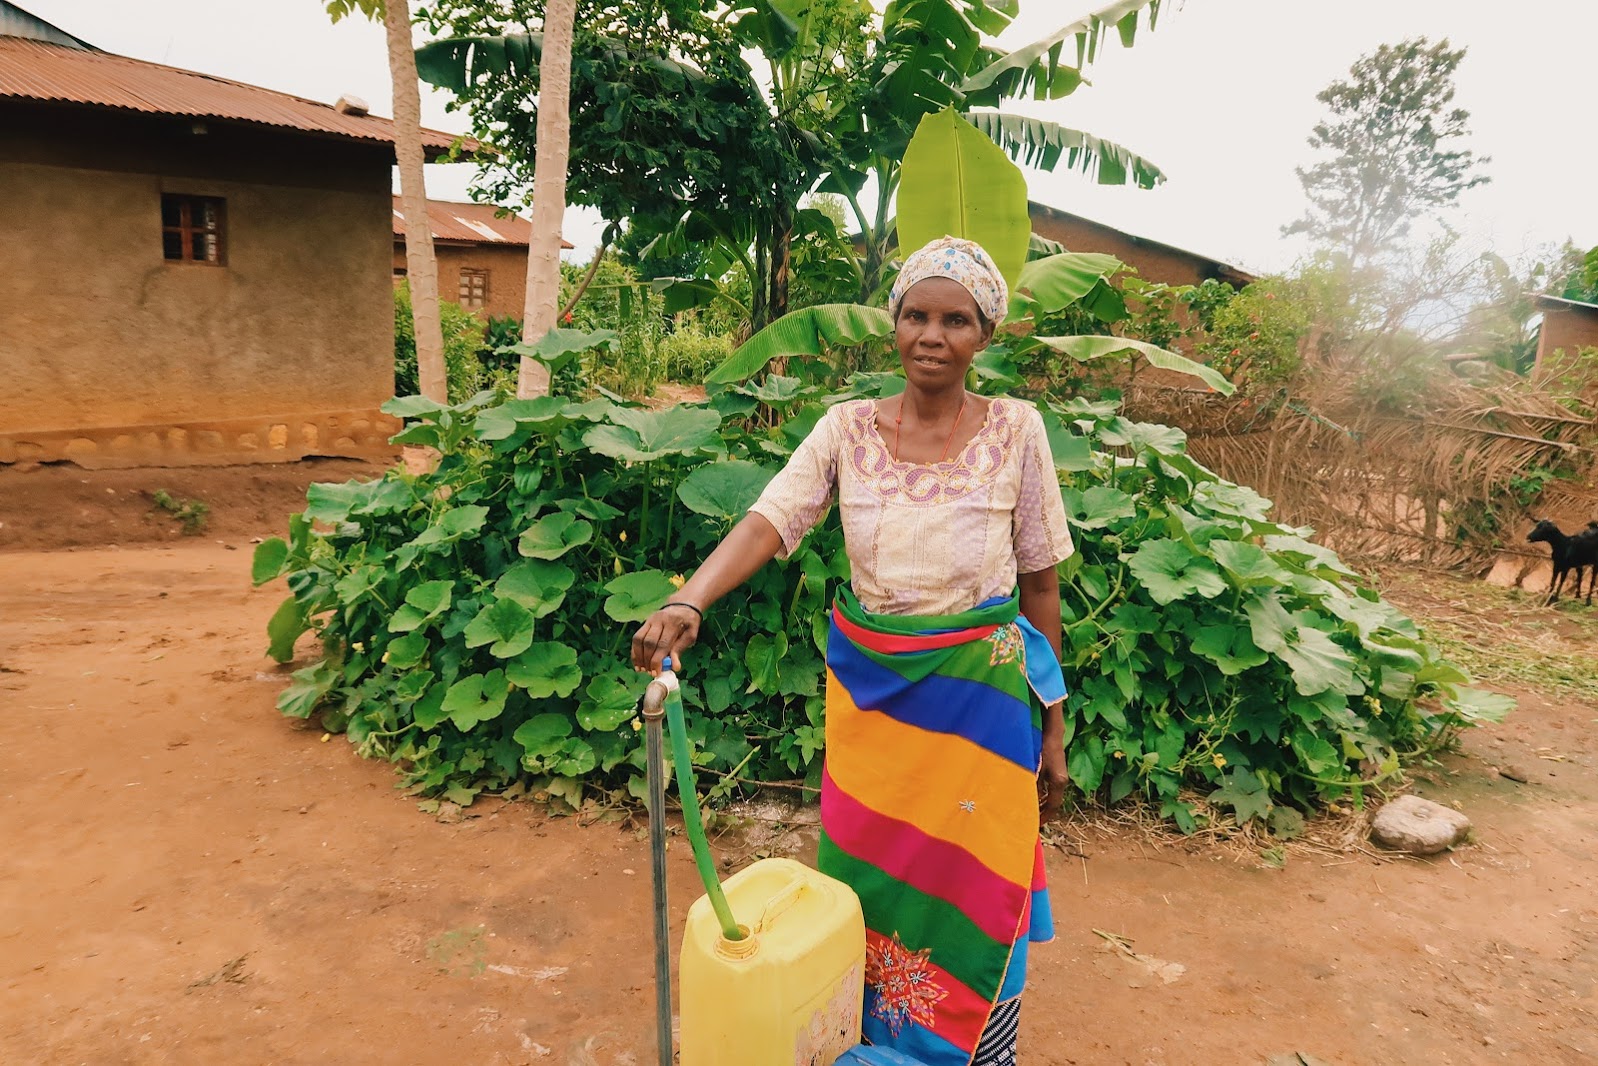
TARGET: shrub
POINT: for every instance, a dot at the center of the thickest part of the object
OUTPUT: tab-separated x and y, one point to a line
653	347
688	353
1210	647
502	331
1253	338
475	620
463	337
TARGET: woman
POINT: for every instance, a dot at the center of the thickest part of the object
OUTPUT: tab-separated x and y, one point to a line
944	691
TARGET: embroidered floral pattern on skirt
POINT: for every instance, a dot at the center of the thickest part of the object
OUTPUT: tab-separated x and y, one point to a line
904	983
1007	645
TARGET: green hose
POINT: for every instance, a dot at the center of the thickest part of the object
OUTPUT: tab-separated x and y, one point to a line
683	766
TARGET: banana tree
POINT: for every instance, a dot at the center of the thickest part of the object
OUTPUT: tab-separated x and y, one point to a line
937	54
861	105
829	105
955	181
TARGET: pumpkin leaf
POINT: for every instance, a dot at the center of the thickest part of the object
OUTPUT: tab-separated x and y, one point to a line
610	702
454	524
545	669
423	603
639	436
505	625
539	585
554	535
543	735
724	490
284	629
636	596
476	698
270	560
407	651
1170	571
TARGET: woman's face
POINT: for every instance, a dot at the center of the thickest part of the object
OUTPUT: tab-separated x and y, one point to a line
939	332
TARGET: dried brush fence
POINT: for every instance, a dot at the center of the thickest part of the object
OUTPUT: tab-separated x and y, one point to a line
1448	480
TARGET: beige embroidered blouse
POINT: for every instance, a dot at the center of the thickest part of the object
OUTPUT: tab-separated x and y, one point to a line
927	538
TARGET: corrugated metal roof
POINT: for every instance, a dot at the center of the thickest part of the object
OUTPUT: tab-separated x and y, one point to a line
35	70
475	223
1548	302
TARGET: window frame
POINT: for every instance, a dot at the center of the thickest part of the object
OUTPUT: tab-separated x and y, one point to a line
463	287
186	230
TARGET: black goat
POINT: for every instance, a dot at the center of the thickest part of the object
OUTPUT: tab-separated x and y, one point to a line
1578	553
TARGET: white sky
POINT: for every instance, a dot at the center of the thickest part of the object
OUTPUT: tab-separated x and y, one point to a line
1221	97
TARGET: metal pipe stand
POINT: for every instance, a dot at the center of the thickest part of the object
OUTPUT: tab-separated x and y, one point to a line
654	712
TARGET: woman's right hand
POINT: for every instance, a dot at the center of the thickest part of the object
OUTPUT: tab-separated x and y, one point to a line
669	631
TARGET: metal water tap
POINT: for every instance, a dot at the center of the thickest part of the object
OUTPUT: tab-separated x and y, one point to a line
653	708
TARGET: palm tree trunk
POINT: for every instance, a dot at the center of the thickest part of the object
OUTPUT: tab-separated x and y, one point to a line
421	267
549	190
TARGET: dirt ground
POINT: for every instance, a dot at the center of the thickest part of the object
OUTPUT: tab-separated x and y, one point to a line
189	877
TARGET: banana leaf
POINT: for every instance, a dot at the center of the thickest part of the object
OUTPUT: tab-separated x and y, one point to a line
1087	349
807	332
956	182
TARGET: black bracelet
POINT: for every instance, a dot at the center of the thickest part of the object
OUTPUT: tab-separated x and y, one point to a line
690	606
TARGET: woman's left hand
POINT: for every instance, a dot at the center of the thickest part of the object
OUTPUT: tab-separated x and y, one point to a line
1052	777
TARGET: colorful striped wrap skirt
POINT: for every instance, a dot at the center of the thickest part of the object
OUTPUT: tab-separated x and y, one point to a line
929	811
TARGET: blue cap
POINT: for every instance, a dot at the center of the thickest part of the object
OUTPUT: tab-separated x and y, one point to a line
665	664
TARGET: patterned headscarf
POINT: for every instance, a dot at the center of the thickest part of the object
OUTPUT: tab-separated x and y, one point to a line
961	261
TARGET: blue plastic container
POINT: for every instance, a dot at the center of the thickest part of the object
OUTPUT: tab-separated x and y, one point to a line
861	1055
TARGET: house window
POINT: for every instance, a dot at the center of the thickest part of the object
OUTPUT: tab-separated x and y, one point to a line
474	288
191	229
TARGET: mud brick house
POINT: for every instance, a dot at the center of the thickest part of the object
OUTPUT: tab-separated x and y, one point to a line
196	270
1151	259
482	255
1568	325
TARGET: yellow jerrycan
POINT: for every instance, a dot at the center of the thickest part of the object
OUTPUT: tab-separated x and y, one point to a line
790	992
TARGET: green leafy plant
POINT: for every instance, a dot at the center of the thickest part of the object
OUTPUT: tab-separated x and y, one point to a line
653	345
688	352
955	182
1212	648
191	513
475	620
502	331
463	338
824	95
1253	337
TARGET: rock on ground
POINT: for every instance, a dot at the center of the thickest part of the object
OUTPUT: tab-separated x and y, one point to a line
1419	826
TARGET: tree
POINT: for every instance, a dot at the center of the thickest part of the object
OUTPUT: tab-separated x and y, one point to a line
1504	326
1390	135
653	130
1576	274
854	88
841	93
421	266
